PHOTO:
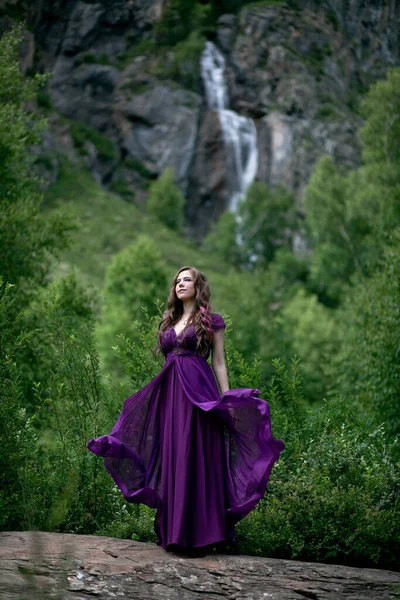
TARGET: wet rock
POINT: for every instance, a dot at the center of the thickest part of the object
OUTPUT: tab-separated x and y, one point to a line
209	189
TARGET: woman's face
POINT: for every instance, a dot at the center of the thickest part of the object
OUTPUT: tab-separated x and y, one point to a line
184	286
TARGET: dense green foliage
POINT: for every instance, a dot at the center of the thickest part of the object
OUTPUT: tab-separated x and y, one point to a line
26	235
165	201
324	287
369	363
134	278
17	438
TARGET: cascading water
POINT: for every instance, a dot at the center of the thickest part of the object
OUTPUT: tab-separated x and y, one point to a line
240	135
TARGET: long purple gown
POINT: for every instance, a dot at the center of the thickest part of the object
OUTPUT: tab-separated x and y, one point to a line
201	459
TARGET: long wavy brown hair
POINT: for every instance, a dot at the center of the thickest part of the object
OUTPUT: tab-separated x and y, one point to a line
200	315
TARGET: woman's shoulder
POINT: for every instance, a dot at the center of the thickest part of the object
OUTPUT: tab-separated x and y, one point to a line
217	321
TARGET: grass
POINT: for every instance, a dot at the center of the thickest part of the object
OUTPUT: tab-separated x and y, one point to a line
108	224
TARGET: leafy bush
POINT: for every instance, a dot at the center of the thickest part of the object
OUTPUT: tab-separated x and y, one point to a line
131	521
176	22
44	100
75	491
334	500
17	436
120	186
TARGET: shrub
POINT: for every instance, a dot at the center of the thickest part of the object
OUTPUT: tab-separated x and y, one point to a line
121	186
185	68
139	167
310	331
91	58
81	133
44	100
337	500
76	490
18	465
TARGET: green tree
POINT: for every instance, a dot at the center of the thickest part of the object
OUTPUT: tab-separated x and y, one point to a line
165	201
28	237
136	278
267	221
309	329
222	239
176	22
349	216
368	366
335	229
381	109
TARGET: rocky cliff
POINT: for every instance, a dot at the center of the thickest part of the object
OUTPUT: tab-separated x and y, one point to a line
297	69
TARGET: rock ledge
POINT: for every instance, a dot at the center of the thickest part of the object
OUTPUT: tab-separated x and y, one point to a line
65	566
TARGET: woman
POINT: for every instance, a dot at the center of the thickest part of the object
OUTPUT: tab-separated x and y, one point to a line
200	457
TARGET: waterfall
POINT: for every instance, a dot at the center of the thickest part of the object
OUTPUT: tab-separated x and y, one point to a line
240	135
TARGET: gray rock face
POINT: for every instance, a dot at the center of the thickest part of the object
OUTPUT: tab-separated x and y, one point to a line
298	73
208	191
226	31
157	124
65	566
294	78
84	93
375	27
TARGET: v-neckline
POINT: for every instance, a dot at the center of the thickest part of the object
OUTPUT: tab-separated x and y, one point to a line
181	331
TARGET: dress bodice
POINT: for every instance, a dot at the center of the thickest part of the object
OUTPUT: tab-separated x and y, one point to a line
186	339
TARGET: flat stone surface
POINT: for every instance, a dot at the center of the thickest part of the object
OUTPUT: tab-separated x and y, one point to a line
37	565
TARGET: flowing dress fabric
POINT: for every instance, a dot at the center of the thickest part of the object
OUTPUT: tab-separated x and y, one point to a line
201	459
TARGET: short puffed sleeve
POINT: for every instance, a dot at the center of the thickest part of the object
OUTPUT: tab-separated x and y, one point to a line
218	322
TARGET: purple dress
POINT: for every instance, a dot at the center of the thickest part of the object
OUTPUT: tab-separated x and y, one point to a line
201	459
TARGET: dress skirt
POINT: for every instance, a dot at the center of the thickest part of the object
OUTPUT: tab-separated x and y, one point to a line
201	459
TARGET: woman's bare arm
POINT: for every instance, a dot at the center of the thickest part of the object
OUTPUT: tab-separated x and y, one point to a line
218	361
